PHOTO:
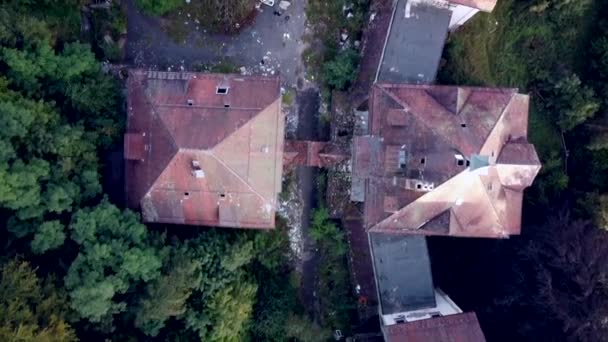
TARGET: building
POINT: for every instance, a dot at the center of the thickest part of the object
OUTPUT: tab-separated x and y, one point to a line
204	149
444	160
411	308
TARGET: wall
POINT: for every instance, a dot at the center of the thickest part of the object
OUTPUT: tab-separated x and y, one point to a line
445	306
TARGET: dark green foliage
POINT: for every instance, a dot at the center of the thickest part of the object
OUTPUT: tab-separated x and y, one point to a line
159	7
278	314
115	254
329	60
571	101
341	72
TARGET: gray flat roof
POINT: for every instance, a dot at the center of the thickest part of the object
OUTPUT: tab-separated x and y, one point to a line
414	45
403	272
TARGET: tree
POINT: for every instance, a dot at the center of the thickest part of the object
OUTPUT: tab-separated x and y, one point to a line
166	296
115	255
572	101
340	72
31	311
50	235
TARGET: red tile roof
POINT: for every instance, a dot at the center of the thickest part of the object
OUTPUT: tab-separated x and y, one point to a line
455	162
208	158
452	328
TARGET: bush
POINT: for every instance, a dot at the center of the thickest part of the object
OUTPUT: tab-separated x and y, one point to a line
341	72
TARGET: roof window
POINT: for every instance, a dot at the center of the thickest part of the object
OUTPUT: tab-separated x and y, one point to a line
221	90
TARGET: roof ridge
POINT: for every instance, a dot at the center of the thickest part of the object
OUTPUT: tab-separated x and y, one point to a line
166	131
221	161
500	117
423	122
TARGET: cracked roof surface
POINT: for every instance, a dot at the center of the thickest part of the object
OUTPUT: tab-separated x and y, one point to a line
200	157
445	160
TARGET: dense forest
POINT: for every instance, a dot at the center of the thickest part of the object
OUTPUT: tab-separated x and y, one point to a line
550	283
77	267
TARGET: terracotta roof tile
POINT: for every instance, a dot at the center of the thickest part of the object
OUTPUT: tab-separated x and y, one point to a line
211	158
452	328
458	150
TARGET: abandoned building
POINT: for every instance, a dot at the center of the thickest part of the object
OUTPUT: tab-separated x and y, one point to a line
204	149
443	160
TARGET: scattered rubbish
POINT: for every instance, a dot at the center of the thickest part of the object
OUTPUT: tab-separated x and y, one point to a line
187	1
268	2
284	5
349	15
372	17
357	43
286	36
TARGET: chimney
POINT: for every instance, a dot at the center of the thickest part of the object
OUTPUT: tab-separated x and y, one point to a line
197	172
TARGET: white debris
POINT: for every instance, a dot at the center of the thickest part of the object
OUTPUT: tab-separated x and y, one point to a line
286	36
372	17
357	43
344	36
243	70
284	5
349	15
187	1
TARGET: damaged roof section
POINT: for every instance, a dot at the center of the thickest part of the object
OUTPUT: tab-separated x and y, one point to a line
414	43
204	149
444	160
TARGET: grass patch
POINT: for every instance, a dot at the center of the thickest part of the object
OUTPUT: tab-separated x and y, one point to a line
221	67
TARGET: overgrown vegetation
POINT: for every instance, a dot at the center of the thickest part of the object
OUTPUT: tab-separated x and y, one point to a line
546	284
225	16
332	57
333	290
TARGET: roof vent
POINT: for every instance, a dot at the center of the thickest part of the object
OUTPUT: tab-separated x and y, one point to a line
190	102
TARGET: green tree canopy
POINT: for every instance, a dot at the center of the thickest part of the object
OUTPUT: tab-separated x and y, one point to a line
115	254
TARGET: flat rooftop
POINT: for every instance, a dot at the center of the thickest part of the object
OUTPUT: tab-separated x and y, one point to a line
414	44
403	272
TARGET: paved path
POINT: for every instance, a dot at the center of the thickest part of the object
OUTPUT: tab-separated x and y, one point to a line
275	39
